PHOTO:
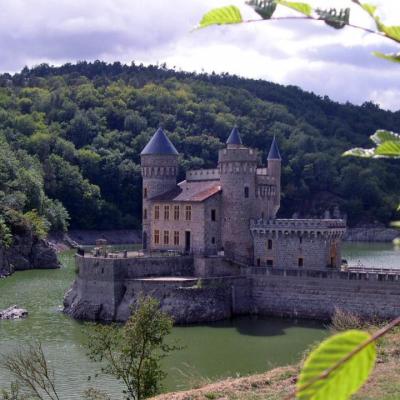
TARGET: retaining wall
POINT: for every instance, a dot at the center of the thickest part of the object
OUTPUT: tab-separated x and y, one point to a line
316	294
105	289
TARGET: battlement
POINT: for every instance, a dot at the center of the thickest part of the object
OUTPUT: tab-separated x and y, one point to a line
238	155
298	227
202	174
262	171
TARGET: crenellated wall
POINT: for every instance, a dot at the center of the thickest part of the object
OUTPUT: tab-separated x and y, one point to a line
306	243
209	289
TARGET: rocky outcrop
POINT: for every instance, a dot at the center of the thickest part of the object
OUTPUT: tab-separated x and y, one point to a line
27	252
185	304
13	312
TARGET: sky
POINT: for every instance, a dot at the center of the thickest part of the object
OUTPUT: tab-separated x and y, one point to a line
336	63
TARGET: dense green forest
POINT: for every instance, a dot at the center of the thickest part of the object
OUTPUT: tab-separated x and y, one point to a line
70	139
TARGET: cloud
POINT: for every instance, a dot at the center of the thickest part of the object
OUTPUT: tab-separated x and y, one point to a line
307	54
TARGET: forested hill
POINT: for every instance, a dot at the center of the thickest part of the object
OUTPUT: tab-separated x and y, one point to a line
70	137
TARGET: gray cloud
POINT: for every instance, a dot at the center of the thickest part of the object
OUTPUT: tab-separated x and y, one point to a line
310	55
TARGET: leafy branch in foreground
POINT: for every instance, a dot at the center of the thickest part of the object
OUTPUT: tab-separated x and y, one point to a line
387	145
32	372
340	365
132	353
335	18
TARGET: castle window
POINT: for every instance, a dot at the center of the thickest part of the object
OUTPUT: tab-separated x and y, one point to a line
156	236
269	244
213	215
300	262
176	213
188	213
166	237
156	212
145	193
176	238
246	192
166	213
145	213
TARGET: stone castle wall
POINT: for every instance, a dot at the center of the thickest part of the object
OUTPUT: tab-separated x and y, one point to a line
290	243
106	289
316	294
210	289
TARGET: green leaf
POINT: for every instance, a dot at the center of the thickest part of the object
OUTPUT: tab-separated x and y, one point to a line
388	149
337	19
387	145
303	8
369	8
381	136
391	57
340	380
391	31
359	152
221	16
264	8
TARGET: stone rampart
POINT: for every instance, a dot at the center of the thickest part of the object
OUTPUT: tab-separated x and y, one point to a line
203	174
298	227
316	294
209	289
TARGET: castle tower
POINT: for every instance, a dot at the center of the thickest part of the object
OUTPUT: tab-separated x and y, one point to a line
237	165
159	162
274	170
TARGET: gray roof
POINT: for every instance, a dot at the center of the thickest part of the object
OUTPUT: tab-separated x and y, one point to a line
274	151
159	144
234	137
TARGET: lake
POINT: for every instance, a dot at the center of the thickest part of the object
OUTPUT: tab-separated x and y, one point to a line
239	346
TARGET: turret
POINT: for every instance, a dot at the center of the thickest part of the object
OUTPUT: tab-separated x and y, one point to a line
159	162
274	170
237	165
234	140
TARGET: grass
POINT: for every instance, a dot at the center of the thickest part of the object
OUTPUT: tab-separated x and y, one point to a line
384	383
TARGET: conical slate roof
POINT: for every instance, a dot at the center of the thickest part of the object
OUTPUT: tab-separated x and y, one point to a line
234	137
274	151
159	144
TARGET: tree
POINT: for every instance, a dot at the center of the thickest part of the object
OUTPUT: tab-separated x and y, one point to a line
132	353
32	372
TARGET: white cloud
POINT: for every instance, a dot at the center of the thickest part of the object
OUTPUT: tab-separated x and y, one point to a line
307	54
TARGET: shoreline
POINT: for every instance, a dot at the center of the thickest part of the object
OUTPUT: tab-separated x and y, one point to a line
84	237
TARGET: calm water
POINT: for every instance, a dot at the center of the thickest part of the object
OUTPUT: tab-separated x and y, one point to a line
241	346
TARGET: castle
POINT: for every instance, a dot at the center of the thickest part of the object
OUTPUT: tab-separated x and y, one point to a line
213	248
230	210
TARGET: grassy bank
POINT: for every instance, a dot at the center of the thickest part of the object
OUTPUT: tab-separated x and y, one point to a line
384	383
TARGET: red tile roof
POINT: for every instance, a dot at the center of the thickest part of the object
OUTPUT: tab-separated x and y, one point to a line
193	191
